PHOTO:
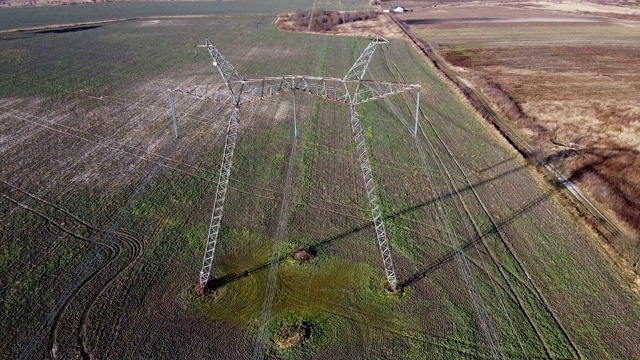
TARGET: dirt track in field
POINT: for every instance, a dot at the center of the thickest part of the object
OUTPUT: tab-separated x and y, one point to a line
579	120
118	143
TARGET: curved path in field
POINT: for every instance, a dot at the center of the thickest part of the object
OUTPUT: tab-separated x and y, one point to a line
109	246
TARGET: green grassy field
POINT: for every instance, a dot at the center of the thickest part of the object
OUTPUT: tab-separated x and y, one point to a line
52	15
104	214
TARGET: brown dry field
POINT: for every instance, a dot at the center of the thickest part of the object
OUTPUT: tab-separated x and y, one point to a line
610	7
570	83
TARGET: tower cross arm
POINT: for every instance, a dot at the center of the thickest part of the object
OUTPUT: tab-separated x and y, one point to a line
204	92
264	88
368	91
228	71
335	89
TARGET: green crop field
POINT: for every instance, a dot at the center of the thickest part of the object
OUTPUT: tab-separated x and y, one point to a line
104	214
52	15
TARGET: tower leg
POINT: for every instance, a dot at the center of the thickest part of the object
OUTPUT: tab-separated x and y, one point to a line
370	187
221	192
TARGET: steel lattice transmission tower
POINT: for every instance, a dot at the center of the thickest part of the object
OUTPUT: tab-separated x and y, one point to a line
352	89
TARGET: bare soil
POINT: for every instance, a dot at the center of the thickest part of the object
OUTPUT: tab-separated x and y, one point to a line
303	256
207	292
292	335
572	90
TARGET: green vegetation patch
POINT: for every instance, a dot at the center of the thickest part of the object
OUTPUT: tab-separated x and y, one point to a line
329	294
50	15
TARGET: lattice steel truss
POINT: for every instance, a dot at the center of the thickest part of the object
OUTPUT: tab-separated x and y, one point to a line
352	89
341	90
370	187
221	193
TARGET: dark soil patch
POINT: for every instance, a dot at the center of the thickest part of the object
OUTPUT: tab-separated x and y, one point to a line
290	336
304	255
207	292
397	291
70	29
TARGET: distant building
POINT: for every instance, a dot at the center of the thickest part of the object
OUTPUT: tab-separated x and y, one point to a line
397	9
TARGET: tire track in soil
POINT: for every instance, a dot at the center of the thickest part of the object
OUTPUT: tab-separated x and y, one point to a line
260	340
136	251
117	239
502	239
443	259
486	322
106	347
52	224
133	243
510	251
479	234
483	316
114	241
115	328
114	251
482	237
52	319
